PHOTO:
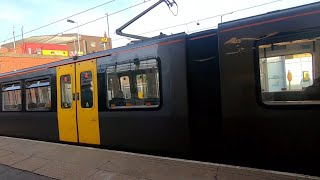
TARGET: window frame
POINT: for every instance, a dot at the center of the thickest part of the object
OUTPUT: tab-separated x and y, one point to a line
296	105
21	96
25	91
133	108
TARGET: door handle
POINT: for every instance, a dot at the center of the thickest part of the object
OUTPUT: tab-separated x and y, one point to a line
74	96
78	96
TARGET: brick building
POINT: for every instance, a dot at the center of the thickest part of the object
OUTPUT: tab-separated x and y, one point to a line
39	50
88	44
62	45
12	61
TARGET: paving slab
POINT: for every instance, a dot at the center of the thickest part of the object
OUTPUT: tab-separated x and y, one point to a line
82	156
31	164
26	146
13	158
10	140
61	161
3	143
62	170
9	173
158	168
105	175
4	153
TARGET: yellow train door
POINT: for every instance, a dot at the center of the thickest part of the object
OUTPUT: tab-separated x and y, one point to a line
66	103
87	104
82	121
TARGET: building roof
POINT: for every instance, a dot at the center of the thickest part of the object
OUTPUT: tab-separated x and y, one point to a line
49	39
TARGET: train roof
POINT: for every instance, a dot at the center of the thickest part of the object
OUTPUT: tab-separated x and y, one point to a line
269	15
160	39
108	52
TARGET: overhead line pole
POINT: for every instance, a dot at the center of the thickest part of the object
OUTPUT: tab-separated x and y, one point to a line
14	41
63	19
108	25
90	21
23	46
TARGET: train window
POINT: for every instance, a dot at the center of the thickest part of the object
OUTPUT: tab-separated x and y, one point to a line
290	72
86	89
38	94
11	97
133	85
66	92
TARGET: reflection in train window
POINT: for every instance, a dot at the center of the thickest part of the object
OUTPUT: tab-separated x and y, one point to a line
66	91
86	89
38	94
290	72
11	97
133	85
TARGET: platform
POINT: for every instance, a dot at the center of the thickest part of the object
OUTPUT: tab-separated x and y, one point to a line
28	159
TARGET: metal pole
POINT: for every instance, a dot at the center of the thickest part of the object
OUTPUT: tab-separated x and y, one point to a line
119	30
14	41
22	34
225	15
23	46
108	25
78	39
74	46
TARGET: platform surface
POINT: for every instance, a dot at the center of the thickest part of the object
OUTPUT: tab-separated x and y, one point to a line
28	159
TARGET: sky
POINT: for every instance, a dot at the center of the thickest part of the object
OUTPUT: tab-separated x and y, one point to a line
33	14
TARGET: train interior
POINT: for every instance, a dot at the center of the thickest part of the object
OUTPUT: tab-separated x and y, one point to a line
290	70
134	84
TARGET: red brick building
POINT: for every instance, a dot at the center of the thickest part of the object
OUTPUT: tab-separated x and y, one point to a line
39	50
62	45
12	61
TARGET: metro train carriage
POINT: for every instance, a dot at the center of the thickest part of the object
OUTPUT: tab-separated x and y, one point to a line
246	93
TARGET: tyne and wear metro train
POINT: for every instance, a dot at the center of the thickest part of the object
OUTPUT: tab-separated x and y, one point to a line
246	93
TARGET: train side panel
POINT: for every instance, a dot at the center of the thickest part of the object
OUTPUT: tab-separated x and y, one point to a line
162	129
33	123
204	95
281	133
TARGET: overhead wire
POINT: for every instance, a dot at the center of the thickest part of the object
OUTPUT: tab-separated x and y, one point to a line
61	19
138	4
53	36
199	20
169	27
156	30
161	29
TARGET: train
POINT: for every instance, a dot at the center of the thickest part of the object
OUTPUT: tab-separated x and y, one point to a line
245	93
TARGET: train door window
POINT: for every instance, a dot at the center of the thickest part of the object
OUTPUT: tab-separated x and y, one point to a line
133	85
66	92
38	94
86	89
142	85
11	97
290	72
125	88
